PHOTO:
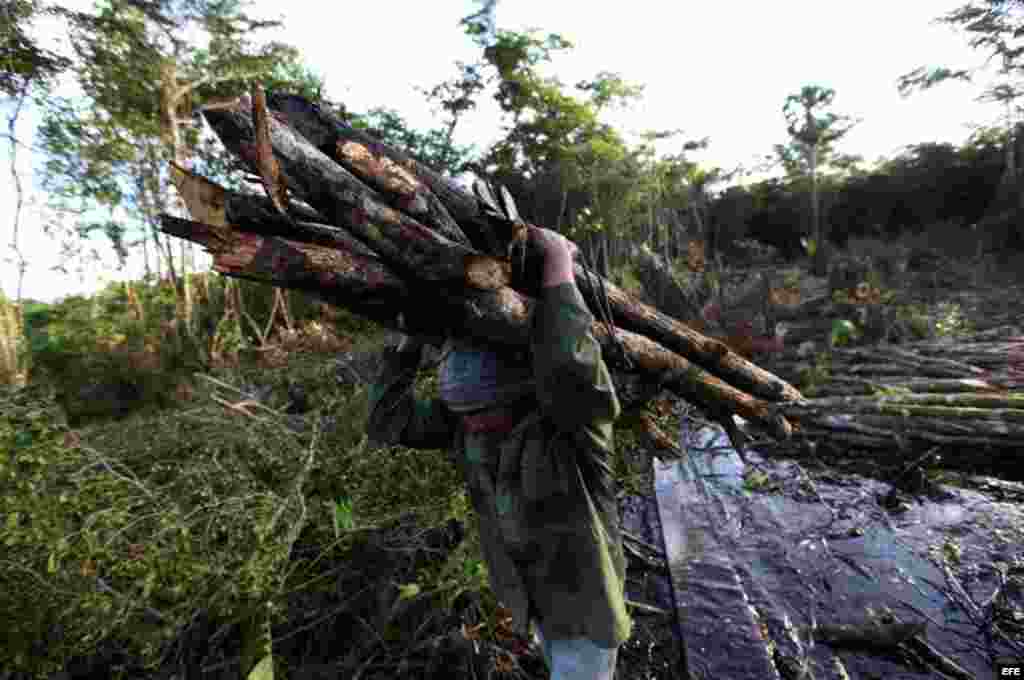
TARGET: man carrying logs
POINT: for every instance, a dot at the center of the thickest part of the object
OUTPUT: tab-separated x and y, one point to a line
533	437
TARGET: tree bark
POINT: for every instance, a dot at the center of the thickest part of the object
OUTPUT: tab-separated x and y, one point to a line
377	163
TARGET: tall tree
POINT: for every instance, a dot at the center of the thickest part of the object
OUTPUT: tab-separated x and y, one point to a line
26	71
995	28
570	169
813	131
23	61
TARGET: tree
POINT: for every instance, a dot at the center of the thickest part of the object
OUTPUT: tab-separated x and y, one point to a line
996	28
813	132
23	61
453	98
568	168
434	147
26	70
144	69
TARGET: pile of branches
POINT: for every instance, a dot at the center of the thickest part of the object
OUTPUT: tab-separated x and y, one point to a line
366	227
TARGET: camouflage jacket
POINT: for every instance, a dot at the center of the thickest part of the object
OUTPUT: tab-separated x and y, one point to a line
543	492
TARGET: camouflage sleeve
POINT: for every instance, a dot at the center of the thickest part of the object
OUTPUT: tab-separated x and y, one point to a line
574	386
397	416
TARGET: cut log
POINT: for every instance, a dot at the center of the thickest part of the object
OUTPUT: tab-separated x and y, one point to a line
266	164
340	276
408	185
348	146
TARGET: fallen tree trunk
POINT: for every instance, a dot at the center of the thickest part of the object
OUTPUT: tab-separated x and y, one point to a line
925	396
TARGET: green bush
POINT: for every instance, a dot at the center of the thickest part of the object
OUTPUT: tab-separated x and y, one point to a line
123	349
125	531
127	536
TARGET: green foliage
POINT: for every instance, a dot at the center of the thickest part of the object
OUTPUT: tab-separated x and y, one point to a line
844	332
22	60
626	278
343	517
791	278
814	373
950	320
813	132
434	147
143	70
114	352
756	481
563	164
917	320
127	536
991	26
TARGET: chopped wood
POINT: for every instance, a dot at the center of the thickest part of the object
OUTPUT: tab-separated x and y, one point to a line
338	275
348	145
351	279
709	353
349	203
268	167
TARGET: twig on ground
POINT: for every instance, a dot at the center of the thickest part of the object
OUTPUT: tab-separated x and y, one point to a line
642	608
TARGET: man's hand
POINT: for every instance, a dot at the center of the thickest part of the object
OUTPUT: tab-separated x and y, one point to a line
558	255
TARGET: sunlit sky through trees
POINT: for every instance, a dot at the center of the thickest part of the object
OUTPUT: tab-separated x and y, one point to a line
713	69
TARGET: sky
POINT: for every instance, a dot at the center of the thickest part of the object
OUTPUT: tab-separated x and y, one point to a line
713	69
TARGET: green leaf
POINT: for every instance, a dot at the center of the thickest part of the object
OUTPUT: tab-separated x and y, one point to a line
264	670
843	332
344	518
407	591
52	564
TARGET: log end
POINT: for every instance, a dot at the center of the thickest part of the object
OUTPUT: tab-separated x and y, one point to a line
215	238
486	273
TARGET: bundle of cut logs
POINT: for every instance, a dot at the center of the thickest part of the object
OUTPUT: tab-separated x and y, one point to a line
364	226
